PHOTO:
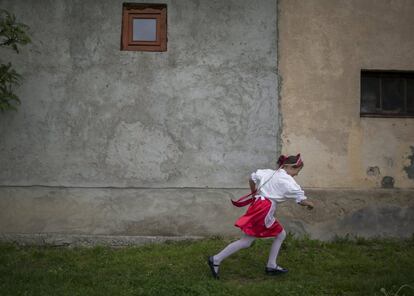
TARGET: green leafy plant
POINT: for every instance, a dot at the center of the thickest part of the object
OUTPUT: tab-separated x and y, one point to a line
12	35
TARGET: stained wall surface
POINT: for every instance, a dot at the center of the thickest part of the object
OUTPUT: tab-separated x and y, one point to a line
135	144
323	45
112	142
202	114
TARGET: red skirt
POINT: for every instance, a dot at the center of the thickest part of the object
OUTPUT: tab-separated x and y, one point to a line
258	221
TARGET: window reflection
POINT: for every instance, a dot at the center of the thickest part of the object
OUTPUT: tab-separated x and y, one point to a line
144	30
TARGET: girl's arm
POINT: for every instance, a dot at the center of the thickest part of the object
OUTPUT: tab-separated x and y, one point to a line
252	185
307	204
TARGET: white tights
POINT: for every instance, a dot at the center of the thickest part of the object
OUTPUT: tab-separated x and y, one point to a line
244	242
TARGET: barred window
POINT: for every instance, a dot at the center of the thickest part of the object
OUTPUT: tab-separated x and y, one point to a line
387	93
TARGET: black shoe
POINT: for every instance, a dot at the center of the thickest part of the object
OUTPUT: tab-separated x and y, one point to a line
275	271
212	265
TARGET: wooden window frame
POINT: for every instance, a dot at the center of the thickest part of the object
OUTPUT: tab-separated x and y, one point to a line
131	11
380	74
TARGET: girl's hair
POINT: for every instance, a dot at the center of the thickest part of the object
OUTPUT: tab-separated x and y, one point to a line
293	160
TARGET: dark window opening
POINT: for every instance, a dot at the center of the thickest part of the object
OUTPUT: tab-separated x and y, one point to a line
144	27
387	93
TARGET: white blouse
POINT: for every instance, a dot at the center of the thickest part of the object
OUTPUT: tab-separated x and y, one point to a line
279	188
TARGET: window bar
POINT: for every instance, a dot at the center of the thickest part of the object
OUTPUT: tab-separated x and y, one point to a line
380	93
405	96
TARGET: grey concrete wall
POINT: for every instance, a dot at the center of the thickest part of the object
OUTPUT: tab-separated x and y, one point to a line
202	114
110	144
137	143
76	212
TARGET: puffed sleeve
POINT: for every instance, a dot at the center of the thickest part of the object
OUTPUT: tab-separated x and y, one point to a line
297	194
293	191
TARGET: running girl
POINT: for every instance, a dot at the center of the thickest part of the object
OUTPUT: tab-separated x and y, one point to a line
268	187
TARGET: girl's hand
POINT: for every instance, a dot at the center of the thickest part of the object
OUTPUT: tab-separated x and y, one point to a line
308	204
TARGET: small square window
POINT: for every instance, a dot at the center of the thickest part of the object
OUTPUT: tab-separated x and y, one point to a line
144	27
387	93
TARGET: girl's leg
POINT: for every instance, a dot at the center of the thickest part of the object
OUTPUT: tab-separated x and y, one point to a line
244	242
274	251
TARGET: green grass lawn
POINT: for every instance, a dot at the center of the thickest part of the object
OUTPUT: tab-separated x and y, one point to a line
342	267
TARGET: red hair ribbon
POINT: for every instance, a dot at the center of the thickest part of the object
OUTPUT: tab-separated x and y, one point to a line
299	162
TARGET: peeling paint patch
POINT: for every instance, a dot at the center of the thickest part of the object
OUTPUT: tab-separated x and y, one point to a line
373	171
410	168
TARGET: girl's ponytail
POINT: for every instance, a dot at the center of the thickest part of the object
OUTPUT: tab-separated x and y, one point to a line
281	160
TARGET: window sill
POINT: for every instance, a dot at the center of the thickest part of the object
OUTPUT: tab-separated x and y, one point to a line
385	115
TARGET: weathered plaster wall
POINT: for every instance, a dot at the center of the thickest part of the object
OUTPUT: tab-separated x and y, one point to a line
154	144
323	45
202	114
137	143
70	212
